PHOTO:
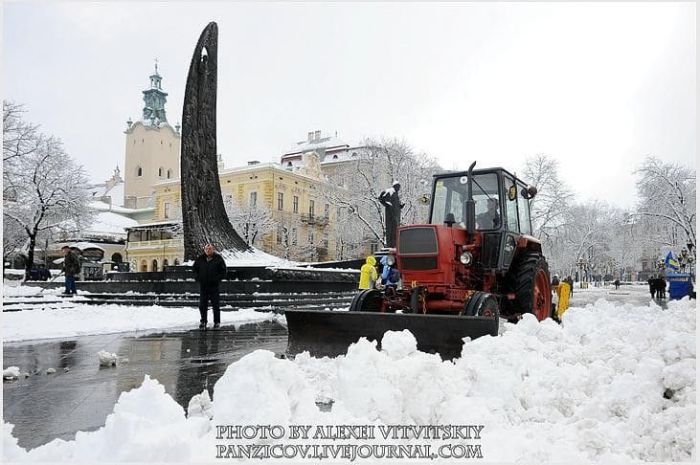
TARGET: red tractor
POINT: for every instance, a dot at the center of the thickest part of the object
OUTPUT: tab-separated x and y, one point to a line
472	263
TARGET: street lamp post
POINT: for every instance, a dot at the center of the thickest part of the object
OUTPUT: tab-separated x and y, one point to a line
582	263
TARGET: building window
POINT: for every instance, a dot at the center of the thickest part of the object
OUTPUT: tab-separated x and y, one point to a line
327	211
165	263
166	210
144	265
160	172
139	171
117	257
169	174
253	199
294	236
154	265
311	208
280	234
311	238
280	201
176	262
295	204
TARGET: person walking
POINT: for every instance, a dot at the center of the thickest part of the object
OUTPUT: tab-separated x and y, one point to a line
71	269
209	269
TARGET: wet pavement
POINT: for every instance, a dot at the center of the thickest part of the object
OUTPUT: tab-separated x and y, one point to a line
45	407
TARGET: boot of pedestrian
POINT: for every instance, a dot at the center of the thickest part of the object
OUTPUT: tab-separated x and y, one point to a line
216	326
203	326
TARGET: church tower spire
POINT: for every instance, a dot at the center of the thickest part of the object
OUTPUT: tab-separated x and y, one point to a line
154	99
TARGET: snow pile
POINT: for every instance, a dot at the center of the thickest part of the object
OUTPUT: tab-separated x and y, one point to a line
23	291
612	383
10	373
104	319
107	359
146	425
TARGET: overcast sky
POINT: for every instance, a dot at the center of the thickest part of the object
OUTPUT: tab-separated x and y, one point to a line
598	86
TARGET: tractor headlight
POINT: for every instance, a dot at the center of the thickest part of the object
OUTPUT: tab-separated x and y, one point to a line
390	260
465	258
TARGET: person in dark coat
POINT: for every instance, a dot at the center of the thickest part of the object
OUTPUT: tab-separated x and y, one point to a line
662	287
652	287
209	269
71	268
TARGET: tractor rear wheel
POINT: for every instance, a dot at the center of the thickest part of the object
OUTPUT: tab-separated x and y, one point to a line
481	304
368	300
532	289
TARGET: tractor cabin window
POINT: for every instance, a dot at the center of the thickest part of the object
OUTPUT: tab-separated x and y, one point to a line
511	190
451	195
524	210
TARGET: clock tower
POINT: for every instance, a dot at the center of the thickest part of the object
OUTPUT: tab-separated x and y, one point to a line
152	152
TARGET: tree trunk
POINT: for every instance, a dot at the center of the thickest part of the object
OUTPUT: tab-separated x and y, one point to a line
204	217
30	256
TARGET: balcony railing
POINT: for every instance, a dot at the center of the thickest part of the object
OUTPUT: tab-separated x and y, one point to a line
160	244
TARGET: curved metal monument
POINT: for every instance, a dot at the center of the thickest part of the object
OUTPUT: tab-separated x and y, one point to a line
204	218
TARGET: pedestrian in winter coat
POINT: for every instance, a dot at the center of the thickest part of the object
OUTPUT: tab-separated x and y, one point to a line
368	273
390	275
564	291
617	284
570	280
652	287
209	269
71	268
662	287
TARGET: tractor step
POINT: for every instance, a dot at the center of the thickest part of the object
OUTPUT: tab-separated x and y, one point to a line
329	333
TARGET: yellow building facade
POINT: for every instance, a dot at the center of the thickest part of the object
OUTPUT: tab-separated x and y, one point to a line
298	218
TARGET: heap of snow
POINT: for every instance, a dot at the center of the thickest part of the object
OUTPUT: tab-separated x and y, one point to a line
10	373
107	359
612	383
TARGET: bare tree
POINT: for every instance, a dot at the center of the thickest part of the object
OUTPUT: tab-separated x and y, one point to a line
379	163
249	221
667	197
43	188
549	207
19	137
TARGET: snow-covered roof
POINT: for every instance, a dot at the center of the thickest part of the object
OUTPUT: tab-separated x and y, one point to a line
85	245
103	206
324	143
155	223
107	222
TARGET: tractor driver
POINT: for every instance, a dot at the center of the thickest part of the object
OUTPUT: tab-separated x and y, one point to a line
490	218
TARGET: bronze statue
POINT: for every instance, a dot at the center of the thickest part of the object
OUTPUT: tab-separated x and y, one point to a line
392	208
204	217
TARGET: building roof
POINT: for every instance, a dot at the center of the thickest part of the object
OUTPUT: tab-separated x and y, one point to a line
318	144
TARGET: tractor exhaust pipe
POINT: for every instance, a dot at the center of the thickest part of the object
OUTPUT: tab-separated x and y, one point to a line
470	213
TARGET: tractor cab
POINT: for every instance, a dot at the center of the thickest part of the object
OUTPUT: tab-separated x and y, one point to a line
501	211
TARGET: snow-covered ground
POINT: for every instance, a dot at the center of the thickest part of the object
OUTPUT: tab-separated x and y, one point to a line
614	382
83	320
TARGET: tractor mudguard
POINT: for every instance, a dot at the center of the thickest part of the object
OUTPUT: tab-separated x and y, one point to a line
325	333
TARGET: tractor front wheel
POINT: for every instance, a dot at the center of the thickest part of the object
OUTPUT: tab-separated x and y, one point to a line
532	290
368	300
481	304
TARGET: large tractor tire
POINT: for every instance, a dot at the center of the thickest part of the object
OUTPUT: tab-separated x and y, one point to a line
531	285
481	304
368	300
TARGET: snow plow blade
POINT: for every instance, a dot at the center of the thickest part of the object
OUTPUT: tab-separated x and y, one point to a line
328	333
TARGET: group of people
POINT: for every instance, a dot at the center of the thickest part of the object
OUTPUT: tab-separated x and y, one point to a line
657	287
561	292
386	275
